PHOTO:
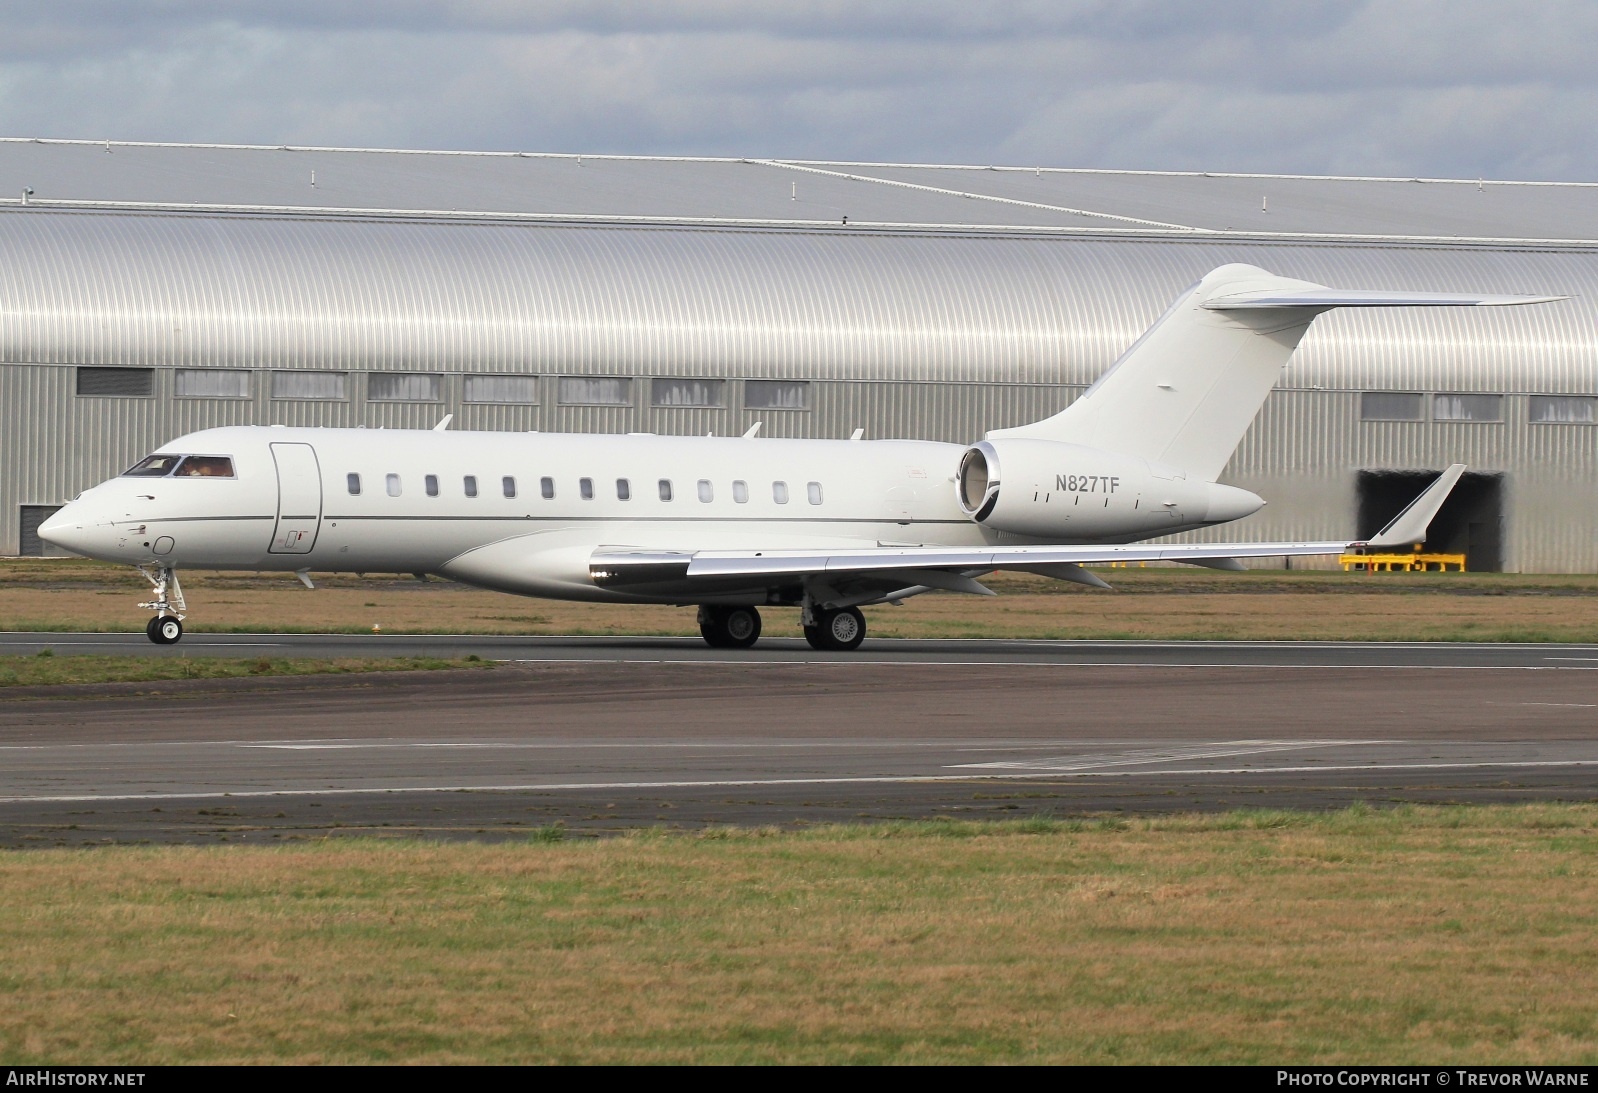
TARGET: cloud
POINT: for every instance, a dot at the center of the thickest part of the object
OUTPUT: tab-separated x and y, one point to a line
1404	87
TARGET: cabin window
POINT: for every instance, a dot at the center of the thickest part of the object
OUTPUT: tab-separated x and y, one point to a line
430	483
585	488
624	490
521	390
205	466
1564	410
508	485
740	492
706	491
776	395
469	483
813	490
392	482
353	481
779	492
546	486
665	489
213	383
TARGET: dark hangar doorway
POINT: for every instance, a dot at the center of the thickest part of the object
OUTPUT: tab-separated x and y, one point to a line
1471	521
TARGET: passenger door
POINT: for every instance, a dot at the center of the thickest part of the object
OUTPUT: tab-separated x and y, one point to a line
299	499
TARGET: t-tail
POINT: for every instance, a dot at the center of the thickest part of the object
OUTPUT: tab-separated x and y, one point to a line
1185	393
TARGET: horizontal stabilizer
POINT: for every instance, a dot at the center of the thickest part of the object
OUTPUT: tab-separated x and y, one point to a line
1409	527
1327	298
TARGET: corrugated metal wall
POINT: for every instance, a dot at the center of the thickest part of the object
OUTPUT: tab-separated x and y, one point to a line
935	335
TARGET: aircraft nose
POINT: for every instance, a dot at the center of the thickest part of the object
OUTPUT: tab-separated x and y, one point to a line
67	528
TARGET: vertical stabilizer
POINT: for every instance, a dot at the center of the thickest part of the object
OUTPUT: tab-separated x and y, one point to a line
1186	391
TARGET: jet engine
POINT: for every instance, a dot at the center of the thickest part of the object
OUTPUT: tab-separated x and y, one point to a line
1060	492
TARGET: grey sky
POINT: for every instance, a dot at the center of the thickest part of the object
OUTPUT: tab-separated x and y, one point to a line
1398	87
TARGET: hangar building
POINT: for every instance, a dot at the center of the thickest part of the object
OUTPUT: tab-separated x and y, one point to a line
151	290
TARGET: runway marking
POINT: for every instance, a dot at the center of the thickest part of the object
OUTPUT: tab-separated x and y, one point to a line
1219	750
932	662
137	645
736	783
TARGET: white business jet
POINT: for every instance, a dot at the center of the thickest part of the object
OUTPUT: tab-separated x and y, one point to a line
732	524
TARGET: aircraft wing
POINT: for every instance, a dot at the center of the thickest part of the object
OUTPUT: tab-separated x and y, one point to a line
882	572
952	568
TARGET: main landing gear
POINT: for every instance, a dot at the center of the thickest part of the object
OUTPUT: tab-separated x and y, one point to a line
836	631
729	627
839	630
167	626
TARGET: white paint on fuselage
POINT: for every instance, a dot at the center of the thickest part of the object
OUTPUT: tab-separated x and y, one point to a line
886	492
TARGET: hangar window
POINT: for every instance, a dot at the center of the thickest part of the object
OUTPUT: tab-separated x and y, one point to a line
469	484
508	486
320	386
776	395
213	383
665	489
585	488
402	387
116	382
779	492
740	492
430	484
1564	410
546	487
392	483
1391	406
596	391
686	392
1447	407
624	490
813	491
353	483
706	491
507	389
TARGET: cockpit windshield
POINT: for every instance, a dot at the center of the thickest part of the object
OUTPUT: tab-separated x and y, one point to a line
181	466
205	466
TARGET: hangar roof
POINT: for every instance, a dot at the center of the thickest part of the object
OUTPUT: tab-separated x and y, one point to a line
634	188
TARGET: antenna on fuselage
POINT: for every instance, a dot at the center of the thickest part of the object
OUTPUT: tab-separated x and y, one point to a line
442	425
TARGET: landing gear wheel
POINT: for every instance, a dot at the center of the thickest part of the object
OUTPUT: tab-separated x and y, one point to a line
729	627
165	629
837	631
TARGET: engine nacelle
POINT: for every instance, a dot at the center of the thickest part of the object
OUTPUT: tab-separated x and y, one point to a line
1062	492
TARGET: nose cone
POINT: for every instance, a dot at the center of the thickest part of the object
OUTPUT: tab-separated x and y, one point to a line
68	529
1230	503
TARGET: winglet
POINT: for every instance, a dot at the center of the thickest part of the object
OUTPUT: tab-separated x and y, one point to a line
442	425
1409	527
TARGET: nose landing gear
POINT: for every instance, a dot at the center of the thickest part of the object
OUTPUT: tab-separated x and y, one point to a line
167	626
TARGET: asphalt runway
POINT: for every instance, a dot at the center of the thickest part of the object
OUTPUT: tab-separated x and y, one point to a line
604	735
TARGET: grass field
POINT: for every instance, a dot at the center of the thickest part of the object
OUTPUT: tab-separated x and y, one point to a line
1180	603
1418	935
44	671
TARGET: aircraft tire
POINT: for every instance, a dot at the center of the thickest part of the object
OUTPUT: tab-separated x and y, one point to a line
165	629
729	627
837	631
